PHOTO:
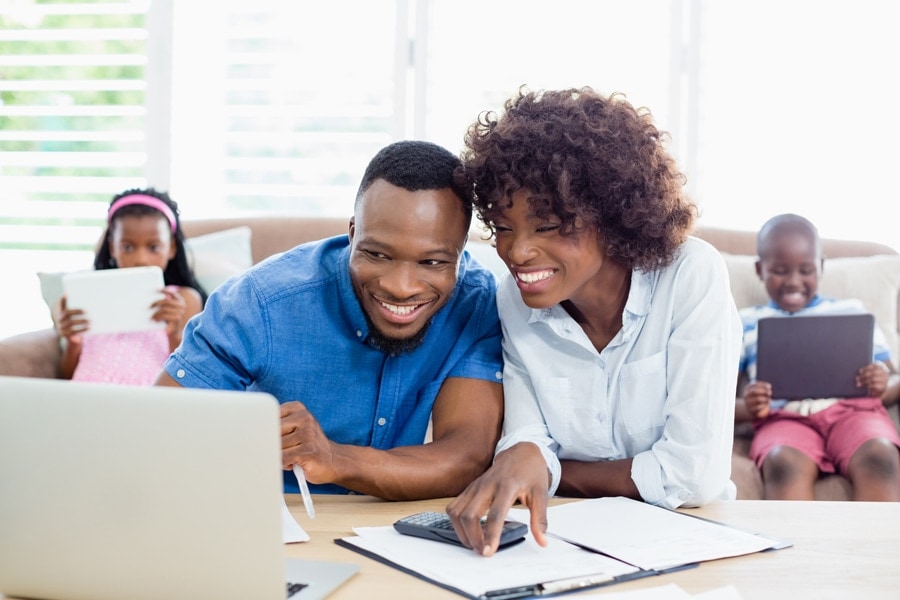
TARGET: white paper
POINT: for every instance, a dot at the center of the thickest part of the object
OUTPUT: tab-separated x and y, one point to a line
646	536
524	564
659	592
729	592
291	531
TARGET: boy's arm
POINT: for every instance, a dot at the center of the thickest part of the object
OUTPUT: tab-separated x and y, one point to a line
892	389
753	399
741	413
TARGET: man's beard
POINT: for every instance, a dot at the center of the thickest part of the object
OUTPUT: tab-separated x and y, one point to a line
392	346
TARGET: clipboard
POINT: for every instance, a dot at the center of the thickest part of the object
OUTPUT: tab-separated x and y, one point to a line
116	300
619	531
551	587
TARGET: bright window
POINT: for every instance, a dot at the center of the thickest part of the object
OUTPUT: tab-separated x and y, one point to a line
270	106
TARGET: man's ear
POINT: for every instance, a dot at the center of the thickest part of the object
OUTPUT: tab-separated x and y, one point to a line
758	265
352	228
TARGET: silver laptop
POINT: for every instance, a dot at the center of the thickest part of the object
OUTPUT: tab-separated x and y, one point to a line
112	492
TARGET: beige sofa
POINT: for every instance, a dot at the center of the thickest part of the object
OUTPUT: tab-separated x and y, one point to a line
865	270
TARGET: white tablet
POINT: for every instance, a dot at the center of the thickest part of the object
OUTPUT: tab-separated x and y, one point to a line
116	300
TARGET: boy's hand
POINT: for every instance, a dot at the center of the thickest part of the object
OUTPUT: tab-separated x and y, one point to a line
874	378
757	397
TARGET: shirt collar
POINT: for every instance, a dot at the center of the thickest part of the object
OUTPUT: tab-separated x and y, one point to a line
351	308
816	300
636	305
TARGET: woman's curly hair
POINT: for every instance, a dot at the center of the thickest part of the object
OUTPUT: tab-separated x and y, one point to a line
595	162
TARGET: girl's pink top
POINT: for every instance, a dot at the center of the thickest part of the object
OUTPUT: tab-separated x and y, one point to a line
130	358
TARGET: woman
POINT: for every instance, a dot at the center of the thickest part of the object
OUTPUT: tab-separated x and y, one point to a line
621	338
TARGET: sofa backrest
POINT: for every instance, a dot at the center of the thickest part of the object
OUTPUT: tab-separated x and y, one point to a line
853	268
859	269
271	235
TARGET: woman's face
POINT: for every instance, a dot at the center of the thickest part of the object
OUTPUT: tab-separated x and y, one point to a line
548	267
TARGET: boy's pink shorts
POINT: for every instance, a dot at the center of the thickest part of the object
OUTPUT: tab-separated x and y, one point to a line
830	437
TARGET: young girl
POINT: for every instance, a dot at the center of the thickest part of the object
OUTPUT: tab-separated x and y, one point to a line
142	230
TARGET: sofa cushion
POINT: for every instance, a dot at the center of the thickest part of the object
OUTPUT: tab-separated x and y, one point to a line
215	257
874	280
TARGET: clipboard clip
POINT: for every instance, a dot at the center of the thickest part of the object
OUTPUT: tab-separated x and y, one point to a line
549	588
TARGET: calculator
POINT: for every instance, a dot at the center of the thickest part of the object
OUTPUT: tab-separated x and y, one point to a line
437	526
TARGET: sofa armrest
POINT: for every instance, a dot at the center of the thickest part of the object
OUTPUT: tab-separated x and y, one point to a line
32	354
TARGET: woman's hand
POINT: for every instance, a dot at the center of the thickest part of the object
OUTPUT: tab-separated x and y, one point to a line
518	474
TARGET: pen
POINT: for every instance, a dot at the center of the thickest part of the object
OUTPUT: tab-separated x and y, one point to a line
551	587
304	491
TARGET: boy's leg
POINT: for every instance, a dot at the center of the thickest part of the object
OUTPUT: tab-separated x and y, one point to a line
789	474
864	443
790	454
874	471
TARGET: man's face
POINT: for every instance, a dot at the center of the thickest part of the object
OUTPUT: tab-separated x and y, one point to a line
404	254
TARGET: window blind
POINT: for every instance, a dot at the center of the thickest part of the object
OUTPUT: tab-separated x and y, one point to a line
72	118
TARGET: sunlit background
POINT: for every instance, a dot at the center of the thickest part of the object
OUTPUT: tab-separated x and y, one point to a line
276	106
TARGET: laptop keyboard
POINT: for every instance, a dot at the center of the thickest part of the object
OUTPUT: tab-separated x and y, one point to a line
293	588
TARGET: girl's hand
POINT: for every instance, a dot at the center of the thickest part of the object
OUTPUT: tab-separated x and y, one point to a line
757	397
71	324
171	309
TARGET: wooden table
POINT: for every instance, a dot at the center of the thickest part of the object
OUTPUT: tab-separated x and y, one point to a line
843	550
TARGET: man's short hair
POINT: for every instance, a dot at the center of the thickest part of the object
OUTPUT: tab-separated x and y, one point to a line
415	165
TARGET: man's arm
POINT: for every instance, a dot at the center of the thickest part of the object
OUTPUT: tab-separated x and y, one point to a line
466	419
166	380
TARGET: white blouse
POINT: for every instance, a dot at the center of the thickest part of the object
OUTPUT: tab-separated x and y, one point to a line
662	391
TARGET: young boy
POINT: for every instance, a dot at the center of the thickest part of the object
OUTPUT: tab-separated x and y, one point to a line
796	441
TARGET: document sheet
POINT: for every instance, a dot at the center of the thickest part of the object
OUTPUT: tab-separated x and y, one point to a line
644	535
591	543
522	565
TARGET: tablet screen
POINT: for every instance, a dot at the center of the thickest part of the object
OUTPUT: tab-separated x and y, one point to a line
116	300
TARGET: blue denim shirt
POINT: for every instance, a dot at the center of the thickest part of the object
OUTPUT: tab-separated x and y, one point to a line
293	327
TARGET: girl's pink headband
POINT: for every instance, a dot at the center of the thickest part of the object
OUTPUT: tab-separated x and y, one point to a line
144	200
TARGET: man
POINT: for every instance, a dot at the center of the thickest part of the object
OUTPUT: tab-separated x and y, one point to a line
364	338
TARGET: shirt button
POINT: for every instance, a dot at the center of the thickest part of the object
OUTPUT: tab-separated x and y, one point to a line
179	373
358	333
499	374
382	421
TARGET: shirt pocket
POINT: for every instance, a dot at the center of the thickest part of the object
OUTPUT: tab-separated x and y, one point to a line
554	396
643	397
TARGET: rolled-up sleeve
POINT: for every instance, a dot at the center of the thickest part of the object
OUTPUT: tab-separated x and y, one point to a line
523	420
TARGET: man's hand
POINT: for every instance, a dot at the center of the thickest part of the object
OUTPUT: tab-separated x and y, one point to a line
757	397
304	443
518	474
